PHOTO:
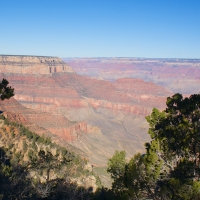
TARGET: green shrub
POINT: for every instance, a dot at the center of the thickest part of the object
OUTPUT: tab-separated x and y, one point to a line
24	146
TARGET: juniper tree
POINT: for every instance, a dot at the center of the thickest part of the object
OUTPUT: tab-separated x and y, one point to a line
175	134
5	91
170	168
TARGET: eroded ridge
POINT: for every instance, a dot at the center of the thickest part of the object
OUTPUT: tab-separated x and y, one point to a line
33	65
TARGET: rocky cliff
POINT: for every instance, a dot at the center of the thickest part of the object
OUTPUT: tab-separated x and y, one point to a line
32	65
55	123
117	108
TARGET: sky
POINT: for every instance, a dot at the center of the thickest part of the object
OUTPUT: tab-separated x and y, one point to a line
101	28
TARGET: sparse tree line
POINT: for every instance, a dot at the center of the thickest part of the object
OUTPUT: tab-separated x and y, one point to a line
170	168
36	168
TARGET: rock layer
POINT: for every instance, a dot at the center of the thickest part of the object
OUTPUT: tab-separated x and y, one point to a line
32	65
55	123
178	75
117	108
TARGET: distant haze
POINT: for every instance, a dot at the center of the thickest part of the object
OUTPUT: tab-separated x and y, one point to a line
178	75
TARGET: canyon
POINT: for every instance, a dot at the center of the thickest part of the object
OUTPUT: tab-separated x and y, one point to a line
96	105
178	75
53	126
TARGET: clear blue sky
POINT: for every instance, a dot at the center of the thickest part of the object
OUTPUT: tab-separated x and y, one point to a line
101	28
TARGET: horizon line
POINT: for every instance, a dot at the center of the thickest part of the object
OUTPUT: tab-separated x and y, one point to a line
98	57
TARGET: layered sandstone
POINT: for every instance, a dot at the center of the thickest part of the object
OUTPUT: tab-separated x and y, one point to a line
178	75
32	65
55	123
68	91
117	108
138	86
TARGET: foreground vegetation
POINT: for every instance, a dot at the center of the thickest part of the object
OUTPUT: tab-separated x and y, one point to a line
32	167
170	169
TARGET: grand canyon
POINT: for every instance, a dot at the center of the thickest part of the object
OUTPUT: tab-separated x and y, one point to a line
94	105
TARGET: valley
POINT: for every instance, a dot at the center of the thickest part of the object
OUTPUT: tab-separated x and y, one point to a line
96	105
178	75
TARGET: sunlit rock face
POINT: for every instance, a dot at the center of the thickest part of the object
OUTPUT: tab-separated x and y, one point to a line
32	65
54	123
72	91
109	115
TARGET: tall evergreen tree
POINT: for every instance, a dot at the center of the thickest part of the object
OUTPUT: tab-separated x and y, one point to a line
175	134
170	169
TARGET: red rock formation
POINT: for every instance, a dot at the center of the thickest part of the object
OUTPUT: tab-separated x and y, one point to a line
138	86
55	123
52	91
32	65
179	75
81	92
134	66
15	117
118	108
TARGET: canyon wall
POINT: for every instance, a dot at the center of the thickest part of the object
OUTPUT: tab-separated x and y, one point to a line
95	115
55	123
178	75
32	65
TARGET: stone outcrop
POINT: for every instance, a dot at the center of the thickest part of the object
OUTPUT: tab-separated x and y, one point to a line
32	65
55	123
